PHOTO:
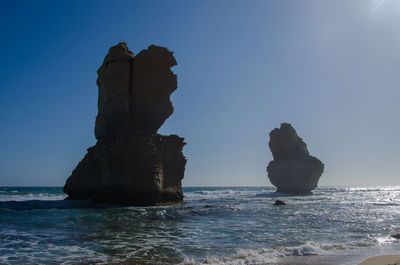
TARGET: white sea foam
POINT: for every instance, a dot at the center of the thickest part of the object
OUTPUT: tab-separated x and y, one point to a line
228	194
377	188
273	255
386	240
32	196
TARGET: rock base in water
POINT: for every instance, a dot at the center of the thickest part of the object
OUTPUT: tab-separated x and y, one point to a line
295	177
141	169
279	202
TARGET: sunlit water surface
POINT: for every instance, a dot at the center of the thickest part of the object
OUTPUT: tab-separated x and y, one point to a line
215	226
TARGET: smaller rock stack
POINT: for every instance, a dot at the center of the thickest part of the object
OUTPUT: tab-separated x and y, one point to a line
293	170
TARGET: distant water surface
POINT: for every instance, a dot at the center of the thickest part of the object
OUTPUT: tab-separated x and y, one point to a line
336	225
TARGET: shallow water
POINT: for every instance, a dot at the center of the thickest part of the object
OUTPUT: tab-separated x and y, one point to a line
237	225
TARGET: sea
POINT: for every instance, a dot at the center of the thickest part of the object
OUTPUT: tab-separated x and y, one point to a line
215	225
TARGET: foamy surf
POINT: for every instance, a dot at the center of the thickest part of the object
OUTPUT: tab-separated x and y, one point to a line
275	255
232	225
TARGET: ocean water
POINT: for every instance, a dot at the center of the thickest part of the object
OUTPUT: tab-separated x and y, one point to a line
240	225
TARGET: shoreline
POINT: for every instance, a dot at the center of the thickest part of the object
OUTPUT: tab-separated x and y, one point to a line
374	255
382	260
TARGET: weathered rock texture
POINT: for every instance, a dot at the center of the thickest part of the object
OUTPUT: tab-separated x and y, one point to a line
130	162
134	92
293	170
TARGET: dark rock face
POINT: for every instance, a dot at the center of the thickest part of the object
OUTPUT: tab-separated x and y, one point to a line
134	92
130	162
293	170
396	235
279	202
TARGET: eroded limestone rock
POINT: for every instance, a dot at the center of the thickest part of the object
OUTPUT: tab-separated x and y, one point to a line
293	170
134	92
130	162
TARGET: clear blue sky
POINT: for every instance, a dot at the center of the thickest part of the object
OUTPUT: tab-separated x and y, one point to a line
330	68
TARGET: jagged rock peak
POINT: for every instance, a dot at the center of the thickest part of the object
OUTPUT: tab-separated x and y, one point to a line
118	52
159	55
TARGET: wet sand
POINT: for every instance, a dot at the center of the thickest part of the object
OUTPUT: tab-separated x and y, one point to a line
382	260
352	258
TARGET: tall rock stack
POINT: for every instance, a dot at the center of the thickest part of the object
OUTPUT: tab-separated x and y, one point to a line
293	170
131	163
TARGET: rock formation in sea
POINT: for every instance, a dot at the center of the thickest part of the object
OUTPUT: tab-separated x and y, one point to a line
293	170
131	163
279	202
396	235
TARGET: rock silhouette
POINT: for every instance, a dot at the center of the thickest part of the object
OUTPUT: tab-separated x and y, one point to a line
134	92
131	163
279	202
293	170
396	235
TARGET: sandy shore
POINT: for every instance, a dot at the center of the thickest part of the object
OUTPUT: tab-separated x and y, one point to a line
382	260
